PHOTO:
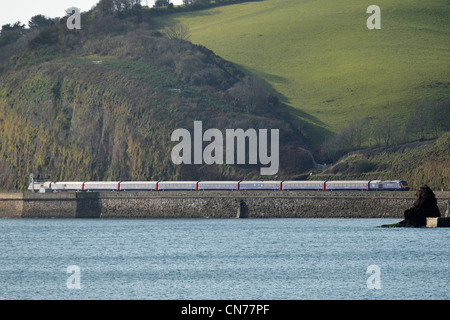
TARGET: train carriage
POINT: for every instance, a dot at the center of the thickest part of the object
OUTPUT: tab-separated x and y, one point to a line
67	186
347	185
138	185
35	186
303	185
218	185
101	186
390	185
177	185
260	185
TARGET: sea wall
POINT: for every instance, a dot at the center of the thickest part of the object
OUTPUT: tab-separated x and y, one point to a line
211	204
11	205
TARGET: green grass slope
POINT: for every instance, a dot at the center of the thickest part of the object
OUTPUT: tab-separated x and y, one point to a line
323	61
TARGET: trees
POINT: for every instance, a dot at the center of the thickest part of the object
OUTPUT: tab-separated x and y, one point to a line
419	122
106	7
429	119
39	21
162	3
349	138
117	7
387	130
125	5
13	39
441	115
358	131
250	93
11	33
196	2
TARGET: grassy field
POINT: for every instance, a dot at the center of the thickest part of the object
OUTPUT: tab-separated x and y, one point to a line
322	60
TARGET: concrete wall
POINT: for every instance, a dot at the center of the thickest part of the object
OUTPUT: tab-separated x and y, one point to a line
50	205
11	205
212	204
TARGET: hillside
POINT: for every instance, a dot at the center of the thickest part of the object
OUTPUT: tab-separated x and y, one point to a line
101	103
322	61
416	162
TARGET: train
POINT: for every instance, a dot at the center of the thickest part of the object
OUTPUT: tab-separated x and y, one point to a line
368	185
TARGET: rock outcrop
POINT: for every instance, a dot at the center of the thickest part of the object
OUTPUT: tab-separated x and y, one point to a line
425	206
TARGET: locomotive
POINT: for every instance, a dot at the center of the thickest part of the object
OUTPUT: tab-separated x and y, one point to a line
368	185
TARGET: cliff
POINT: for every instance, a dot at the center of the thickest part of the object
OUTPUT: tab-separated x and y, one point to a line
101	103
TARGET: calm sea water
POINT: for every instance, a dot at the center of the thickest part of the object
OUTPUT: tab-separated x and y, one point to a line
273	259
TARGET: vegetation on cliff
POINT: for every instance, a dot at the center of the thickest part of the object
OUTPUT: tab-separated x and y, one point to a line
416	162
101	103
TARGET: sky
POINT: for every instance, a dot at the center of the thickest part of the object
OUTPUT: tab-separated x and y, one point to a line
12	11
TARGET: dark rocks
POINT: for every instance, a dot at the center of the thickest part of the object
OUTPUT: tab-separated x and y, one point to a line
243	210
425	206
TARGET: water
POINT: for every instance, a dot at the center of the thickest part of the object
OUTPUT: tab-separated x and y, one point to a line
276	259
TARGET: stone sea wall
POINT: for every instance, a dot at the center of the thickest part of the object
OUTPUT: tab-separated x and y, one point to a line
11	205
212	204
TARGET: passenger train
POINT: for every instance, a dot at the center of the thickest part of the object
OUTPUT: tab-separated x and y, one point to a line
369	185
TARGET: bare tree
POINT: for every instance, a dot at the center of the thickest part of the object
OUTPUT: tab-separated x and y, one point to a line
429	119
420	121
359	128
386	130
250	93
178	31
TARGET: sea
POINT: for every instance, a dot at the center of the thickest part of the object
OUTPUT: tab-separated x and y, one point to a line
222	259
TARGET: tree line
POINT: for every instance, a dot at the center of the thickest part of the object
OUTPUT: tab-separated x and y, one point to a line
103	18
11	33
426	121
163	7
